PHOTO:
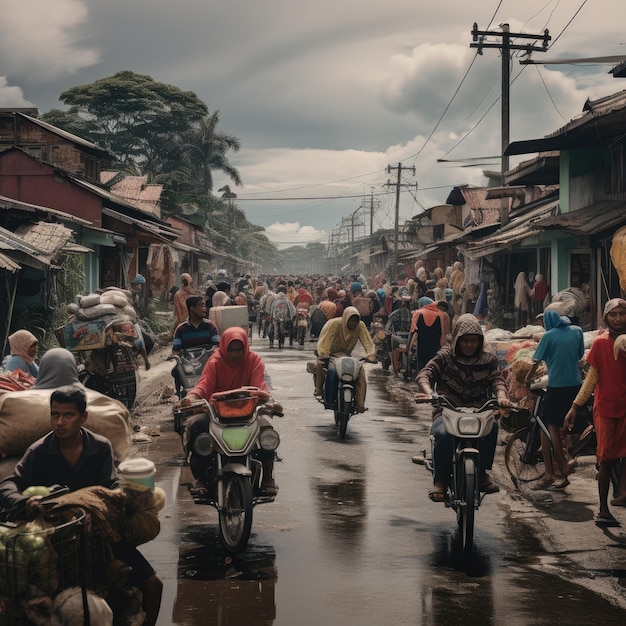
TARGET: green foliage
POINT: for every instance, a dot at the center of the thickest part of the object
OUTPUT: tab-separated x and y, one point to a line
132	115
167	134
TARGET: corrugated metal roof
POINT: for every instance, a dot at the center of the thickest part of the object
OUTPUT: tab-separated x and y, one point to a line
11	203
6	263
515	231
589	220
69	136
589	128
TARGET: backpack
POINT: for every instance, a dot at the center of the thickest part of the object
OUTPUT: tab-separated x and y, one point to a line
363	305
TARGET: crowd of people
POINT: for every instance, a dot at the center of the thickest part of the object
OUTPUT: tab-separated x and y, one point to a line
341	311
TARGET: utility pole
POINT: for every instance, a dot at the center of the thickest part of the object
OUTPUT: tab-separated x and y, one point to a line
398	185
506	46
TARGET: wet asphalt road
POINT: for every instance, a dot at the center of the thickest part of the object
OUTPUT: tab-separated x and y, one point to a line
352	537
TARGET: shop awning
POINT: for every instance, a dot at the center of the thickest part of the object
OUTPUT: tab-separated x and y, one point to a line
588	221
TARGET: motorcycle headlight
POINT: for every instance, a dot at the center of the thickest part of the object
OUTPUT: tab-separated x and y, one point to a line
203	444
468	425
269	439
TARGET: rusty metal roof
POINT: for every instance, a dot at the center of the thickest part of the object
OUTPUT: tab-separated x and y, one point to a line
589	220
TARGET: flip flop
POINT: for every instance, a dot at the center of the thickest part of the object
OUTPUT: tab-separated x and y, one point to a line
544	484
437	496
269	490
621	501
606	522
560	485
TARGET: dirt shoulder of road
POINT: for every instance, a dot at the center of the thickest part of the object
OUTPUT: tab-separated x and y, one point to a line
574	547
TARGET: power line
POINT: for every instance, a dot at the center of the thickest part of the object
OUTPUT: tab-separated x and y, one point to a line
549	94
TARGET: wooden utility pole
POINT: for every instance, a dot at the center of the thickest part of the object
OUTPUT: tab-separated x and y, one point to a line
398	185
506	46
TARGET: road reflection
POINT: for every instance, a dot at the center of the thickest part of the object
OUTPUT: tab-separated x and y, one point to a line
226	591
342	510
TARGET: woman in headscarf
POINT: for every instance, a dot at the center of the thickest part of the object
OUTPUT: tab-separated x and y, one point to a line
523	294
180	300
23	346
339	336
561	347
232	366
57	368
466	375
430	327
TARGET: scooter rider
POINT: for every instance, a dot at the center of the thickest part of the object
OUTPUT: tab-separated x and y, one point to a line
232	366
339	336
196	330
468	376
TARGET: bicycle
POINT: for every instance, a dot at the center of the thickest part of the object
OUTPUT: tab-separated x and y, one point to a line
523	455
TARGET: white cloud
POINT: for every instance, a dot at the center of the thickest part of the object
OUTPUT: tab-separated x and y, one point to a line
288	234
40	40
11	96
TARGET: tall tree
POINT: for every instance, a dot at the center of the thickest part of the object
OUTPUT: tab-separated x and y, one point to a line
137	118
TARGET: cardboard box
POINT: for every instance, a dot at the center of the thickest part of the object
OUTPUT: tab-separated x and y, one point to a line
226	316
78	336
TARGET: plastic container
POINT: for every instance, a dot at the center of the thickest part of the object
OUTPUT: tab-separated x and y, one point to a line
137	473
226	316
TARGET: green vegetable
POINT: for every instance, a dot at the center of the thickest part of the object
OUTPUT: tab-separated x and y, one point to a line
36	491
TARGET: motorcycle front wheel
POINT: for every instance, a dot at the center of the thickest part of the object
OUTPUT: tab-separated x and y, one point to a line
466	508
236	516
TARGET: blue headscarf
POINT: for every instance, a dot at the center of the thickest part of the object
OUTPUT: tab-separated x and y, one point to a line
551	319
423	301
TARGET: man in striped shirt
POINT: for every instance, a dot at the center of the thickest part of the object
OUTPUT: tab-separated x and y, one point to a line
196	330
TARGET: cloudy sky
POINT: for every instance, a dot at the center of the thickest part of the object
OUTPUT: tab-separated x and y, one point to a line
325	95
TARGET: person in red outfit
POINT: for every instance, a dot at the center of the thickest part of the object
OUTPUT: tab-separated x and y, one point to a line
606	379
232	366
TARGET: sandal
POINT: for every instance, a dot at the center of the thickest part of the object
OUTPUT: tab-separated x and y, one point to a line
605	521
620	501
543	484
269	490
436	495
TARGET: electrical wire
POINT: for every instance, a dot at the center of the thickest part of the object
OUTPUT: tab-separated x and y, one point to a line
549	94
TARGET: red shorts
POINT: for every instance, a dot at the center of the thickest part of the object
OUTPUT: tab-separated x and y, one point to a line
611	436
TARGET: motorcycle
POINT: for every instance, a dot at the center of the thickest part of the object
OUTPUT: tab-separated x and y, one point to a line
228	466
188	366
301	325
382	340
339	392
404	361
466	425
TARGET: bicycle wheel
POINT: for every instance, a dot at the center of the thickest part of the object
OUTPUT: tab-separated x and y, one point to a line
467	507
522	456
236	516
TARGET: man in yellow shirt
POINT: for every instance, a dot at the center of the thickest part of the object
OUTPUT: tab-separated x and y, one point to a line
339	336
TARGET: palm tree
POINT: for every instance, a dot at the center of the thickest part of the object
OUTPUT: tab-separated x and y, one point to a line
207	151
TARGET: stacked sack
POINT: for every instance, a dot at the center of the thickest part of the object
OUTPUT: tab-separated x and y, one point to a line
112	301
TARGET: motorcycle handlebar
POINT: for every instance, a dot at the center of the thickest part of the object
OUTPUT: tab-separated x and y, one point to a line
441	401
